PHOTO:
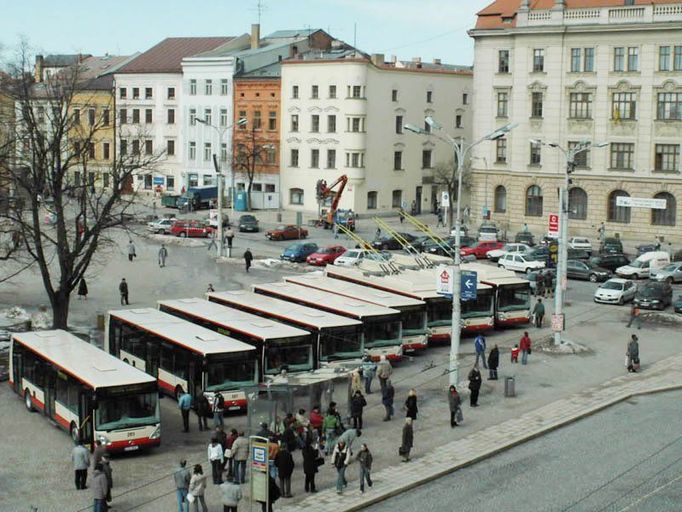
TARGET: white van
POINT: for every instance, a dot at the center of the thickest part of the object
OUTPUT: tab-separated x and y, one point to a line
641	266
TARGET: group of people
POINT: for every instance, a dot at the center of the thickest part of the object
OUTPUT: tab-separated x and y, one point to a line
544	283
102	474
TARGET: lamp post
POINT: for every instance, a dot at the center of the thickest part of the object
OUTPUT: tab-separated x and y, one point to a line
460	151
221	133
569	155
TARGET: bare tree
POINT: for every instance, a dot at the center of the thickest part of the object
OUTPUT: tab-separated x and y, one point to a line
58	218
445	175
250	158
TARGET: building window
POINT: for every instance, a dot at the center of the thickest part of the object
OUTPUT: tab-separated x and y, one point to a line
580	105
429	96
241	154
332	92
503	61
331	124
355	91
427	127
502	104
315	123
91	116
588	61
170	147
617	213
667	157
193	180
619	59
192	154
136	116
315	158
105	151
535	154
223	117
192	87
465	99
664	58
170	182
192	116
534	201
148	115
397	199
500	199
136	147
123	147
148	147
622	155
331	159
633	58
170	116
242	115
458	121
399	124
427	159
136	93
272	120
575	60
577	204
123	116
270	155
355	159
224	87
171	93
293	160
207	152
623	106
148	93
371	200
394	95
208	116
257	120
677	60
314	92
295	196
208	87
538	60
397	160
536	104
206	180
76	115
501	151
666	217
355	124
91	150
582	159
122	93
294	122
223	152
294	92
669	105
105	117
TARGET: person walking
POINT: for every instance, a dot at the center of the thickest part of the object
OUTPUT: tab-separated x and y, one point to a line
335	230
285	465
123	289
181	477
493	362
229	236
440	222
212	245
475	381
479	345
240	454
539	313
365	460
515	353
203	410
340	460
548	283
163	254
349	437
357	405
331	427
539	285
197	488
99	489
455	403
384	371
131	251
524	347
80	456
229	457
98	452
231	494
311	459
185	404
248	258
632	354
407	441
356	381
109	473
602	232
635	316
210	288
82	289
377	234
369	370
218	409
387	395
411	405
215	459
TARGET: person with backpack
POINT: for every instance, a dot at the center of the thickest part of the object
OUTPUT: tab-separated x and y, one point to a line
340	460
479	345
218	409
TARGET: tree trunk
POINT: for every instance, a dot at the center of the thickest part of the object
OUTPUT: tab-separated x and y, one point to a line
60	309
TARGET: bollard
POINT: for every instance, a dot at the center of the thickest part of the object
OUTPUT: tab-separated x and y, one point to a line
509	387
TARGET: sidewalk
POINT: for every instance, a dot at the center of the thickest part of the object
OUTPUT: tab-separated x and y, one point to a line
662	376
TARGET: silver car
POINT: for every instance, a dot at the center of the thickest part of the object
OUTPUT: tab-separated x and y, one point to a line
615	291
671	273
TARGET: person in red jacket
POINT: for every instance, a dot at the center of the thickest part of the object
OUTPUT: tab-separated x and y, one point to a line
316	420
524	345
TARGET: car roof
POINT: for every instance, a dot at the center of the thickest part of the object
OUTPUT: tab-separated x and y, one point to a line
617	280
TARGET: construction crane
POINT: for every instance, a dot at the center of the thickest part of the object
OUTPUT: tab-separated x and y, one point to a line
330	217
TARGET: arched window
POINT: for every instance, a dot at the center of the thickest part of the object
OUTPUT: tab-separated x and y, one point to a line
577	203
668	216
618	213
295	196
534	201
372	200
500	199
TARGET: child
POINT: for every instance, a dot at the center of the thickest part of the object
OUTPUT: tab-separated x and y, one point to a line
515	354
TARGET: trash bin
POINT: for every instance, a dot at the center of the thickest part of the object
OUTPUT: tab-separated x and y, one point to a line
509	387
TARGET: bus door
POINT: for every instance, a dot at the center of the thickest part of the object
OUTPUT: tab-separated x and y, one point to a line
85	413
50	391
17	369
152	358
194	381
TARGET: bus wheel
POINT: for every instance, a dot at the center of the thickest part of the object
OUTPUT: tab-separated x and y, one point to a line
73	429
27	400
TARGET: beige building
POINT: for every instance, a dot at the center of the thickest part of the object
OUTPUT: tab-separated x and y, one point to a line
580	70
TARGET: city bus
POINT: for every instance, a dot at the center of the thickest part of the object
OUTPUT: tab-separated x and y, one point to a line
412	311
182	356
280	347
337	337
85	391
382	332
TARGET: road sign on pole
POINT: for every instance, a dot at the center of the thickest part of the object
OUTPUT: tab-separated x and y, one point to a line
468	288
258	469
444	281
553	224
445	199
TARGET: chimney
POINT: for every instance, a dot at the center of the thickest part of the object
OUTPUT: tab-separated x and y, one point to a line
255	36
38	70
378	59
437	62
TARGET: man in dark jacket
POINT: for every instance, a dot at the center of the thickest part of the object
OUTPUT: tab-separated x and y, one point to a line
539	313
123	289
357	404
109	473
493	362
387	395
284	463
248	258
203	409
310	465
408	440
474	385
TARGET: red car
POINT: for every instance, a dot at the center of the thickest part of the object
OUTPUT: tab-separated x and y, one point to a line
190	228
325	255
480	249
289	232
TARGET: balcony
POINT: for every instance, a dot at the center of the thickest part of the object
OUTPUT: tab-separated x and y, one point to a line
600	15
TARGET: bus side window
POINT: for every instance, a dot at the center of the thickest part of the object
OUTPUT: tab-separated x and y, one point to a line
181	363
166	361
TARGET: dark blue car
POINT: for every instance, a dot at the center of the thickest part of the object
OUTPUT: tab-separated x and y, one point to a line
298	252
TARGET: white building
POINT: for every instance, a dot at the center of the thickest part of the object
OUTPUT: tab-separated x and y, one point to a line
343	114
575	70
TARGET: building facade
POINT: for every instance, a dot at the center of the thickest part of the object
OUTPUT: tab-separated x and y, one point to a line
572	71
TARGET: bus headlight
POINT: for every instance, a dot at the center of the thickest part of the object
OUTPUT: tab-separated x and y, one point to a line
503	316
104	440
156	434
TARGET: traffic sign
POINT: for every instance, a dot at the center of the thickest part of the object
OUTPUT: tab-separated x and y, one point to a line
558	323
641	202
445	199
553	224
468	288
444	284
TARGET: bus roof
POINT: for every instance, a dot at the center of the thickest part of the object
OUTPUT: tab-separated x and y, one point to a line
319	281
82	360
234	319
194	337
279	308
336	303
501	281
486	271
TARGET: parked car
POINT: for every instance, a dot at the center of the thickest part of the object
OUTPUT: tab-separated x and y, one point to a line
540	253
387	243
480	249
353	257
533	277
654	295
418	243
678	304
488	232
160	226
495	254
298	252
579	242
325	255
190	228
578	269
248	223
615	291
641	266
525	237
610	261
433	248
577	254
643	248
519	263
611	246
670	273
547	240
286	232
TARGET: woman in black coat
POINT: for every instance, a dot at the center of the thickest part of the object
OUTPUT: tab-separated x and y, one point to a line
493	362
411	405
82	289
474	385
357	404
310	464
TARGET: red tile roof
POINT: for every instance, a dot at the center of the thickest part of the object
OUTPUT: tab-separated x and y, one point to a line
166	57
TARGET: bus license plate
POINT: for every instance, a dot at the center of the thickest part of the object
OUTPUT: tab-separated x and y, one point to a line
233	408
131	448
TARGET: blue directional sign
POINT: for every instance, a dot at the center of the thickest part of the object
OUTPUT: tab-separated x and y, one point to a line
469	280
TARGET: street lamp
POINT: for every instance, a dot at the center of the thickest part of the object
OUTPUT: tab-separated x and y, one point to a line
460	150
221	133
569	155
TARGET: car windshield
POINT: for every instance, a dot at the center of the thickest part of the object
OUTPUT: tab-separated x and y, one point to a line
326	250
488	229
295	247
580	240
439	312
670	268
639	264
612	285
127	411
650	291
247	218
280	228
352	254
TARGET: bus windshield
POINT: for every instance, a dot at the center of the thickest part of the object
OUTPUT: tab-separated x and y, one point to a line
127	411
296	354
223	374
482	306
382	333
340	343
413	321
439	312
513	297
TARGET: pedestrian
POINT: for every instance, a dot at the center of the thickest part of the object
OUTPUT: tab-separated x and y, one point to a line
340	460
82	289
479	345
384	371
493	362
273	495
197	488
98	452
123	289
80	456
185	404
213	245
369	370
221	437
335	230
265	431
408	440
635	315
387	394
515	354
99	489
365	460
411	404
413	207
455	403
240	453
548	283
248	258
316	419
231	494
332	427
229	456
602	232
348	437
356	381
632	354
474	385
539	313
181	477
131	250
210	288
215	459
311	461
218	409
229	236
203	410
539	285
440	222
109	473
357	404
525	227
401	214
524	347
163	254
285	465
